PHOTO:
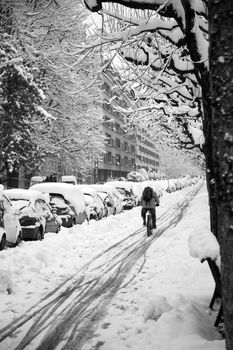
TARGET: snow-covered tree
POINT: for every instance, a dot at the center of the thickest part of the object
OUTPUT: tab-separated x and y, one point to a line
51	35
20	107
47	32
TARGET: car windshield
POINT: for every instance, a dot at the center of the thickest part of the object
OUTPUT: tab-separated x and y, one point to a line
122	191
89	199
103	195
20	203
58	201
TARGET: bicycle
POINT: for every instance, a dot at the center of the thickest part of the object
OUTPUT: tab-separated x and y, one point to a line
149	223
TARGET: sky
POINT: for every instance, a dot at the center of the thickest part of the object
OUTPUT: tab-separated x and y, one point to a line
106	285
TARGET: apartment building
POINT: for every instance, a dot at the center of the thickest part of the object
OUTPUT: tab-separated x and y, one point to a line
124	151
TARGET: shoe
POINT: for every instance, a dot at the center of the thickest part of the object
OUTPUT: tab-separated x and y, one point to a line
144	224
155	226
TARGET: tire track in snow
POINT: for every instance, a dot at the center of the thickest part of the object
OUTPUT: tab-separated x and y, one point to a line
65	319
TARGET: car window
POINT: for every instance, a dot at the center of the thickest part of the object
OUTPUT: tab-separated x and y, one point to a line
19	203
122	191
42	208
89	199
103	195
58	201
6	204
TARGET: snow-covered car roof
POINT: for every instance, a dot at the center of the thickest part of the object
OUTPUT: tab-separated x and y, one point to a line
70	192
24	194
111	190
121	184
86	189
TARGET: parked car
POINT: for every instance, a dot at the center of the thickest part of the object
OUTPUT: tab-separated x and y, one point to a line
128	200
35	214
68	200
10	228
92	198
2	238
127	186
69	179
117	196
37	179
109	206
63	209
113	194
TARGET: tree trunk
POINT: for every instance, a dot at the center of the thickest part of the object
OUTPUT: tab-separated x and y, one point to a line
221	68
13	179
208	151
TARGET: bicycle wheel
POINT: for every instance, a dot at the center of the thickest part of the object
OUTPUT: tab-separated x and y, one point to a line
149	224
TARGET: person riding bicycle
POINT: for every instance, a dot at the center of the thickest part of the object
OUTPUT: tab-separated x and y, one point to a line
149	201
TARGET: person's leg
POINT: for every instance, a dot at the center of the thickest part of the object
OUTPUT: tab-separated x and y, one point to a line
143	214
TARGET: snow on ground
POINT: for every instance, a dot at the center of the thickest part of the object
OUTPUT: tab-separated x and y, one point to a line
164	307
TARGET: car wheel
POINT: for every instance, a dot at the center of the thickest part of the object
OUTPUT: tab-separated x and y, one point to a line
19	239
72	223
3	242
39	235
114	213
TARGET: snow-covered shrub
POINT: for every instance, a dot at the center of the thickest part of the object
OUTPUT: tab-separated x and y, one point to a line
155	308
6	284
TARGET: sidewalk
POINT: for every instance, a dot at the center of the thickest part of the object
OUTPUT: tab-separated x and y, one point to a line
166	305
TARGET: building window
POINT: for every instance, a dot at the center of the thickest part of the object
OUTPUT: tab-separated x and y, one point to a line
107	106
126	146
126	161
107	88
108	139
118	143
108	157
133	149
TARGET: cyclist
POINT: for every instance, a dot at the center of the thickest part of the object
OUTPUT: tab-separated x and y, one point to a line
149	201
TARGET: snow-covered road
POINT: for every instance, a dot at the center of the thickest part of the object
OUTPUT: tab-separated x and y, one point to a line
68	314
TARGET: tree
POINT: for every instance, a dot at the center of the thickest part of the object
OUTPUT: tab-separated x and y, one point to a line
185	24
20	105
221	72
47	33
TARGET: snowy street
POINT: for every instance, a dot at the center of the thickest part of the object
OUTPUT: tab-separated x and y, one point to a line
105	285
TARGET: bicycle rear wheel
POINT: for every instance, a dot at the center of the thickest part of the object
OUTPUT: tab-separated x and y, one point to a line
149	224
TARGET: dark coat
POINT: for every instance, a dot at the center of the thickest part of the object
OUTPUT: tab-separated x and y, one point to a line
154	201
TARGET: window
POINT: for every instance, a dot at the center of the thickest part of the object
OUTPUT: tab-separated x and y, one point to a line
43	209
126	146
6	204
133	149
107	88
118	143
108	157
108	139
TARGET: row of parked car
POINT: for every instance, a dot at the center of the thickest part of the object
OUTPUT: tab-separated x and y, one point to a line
27	214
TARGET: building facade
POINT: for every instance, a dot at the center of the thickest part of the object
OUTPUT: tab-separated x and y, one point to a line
124	151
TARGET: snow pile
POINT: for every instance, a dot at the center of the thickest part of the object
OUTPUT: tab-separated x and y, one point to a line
155	308
6	284
164	304
203	244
